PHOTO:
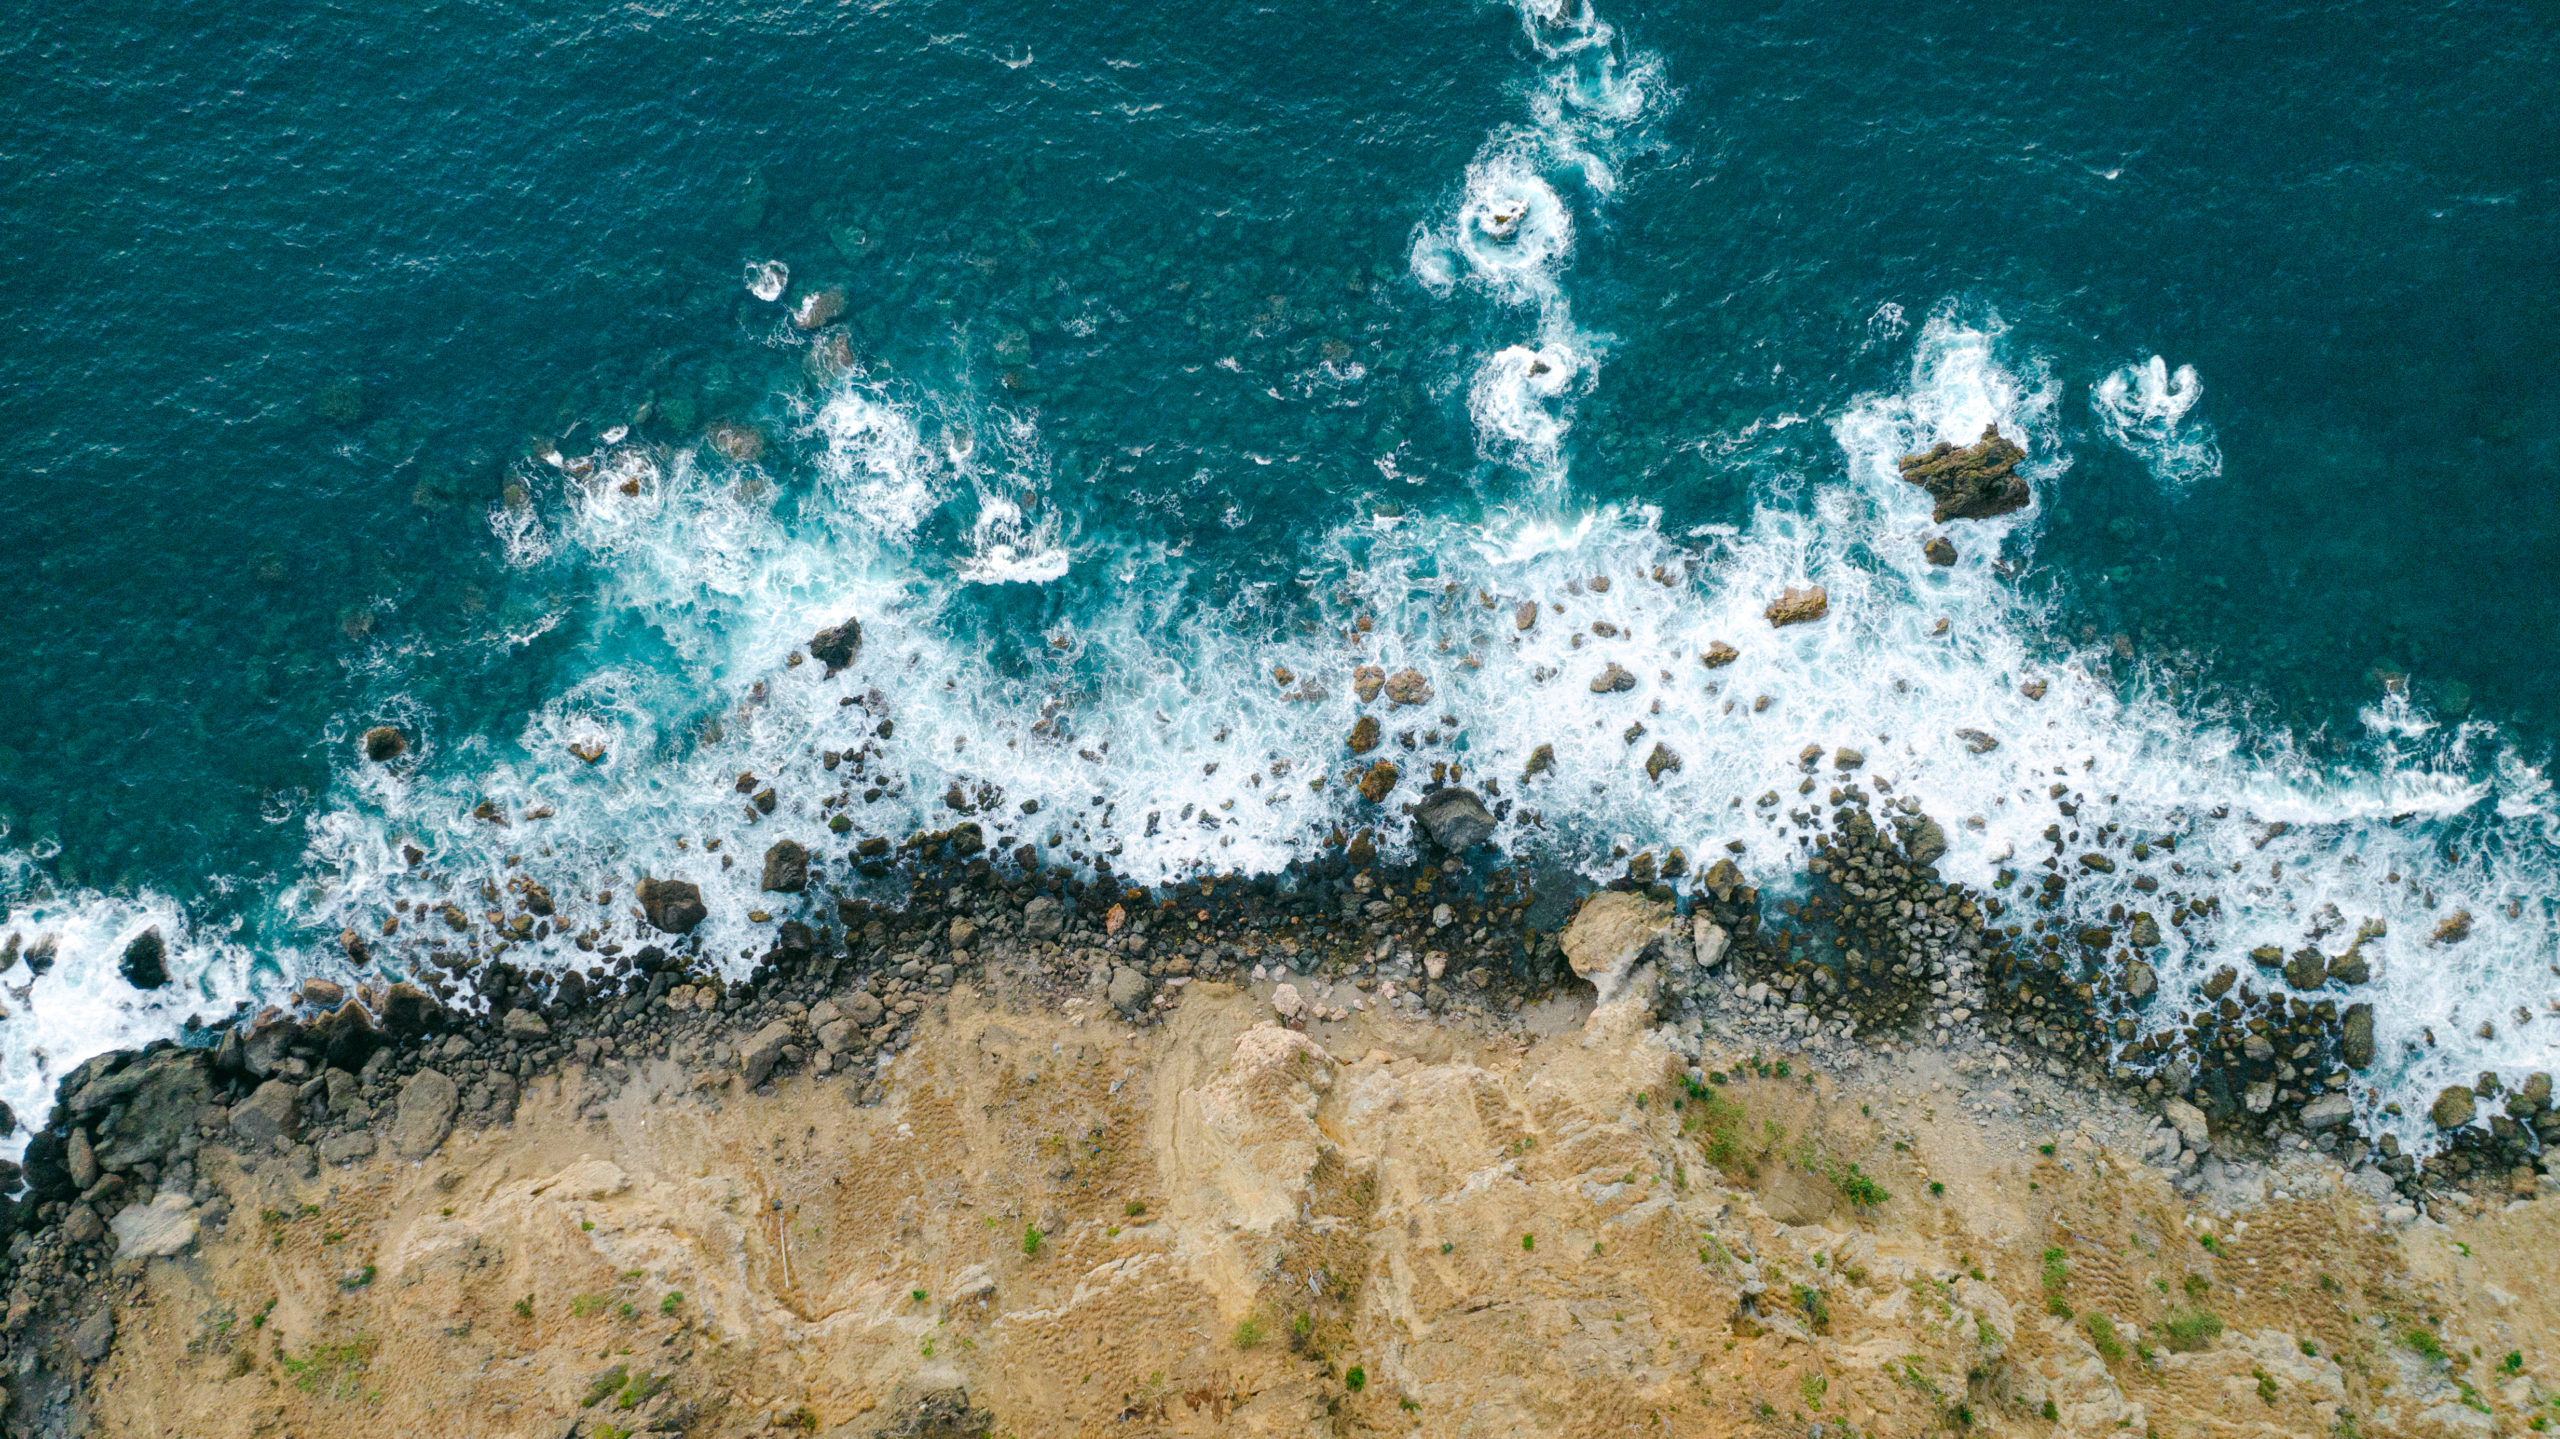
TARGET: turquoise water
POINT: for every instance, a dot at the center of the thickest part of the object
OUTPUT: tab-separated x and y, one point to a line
1174	348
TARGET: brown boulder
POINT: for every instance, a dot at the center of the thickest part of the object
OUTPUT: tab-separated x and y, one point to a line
1381	778
672	905
383	744
1799	605
1408	687
1364	734
1718	655
1973	483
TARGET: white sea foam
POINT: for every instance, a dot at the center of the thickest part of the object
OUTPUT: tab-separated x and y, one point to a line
2143	408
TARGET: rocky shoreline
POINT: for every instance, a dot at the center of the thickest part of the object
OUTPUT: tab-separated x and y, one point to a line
1880	957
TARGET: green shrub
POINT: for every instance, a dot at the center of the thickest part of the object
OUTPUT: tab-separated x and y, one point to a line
1031	1237
2187	1330
2102	1334
1356	1380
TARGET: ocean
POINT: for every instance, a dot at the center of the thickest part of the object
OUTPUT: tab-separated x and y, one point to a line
540	385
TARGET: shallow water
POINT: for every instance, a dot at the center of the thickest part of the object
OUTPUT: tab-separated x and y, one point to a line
1171	353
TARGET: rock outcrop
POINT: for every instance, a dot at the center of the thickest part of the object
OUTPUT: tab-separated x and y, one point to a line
1977	482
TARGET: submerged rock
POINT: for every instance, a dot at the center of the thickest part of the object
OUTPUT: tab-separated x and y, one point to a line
1798	605
836	646
1455	819
818	308
383	744
674	906
1973	483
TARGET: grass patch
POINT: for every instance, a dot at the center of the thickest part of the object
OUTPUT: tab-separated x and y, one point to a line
1356	1379
2102	1334
334	1371
2186	1331
1031	1241
1248	1332
2422	1341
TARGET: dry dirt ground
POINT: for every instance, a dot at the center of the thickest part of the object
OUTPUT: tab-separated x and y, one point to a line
1216	1225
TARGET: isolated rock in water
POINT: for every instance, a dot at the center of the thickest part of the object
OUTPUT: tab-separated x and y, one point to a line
1939	551
146	961
2144	932
837	645
1366	681
1978	741
383	744
1614	680
2140	982
1408	687
1381	778
786	867
1525	617
1364	734
1973	483
2455	928
165	1226
1718	655
818	308
2454	1107
425	1115
1662	758
1799	605
1455	819
673	905
1541	760
1608	936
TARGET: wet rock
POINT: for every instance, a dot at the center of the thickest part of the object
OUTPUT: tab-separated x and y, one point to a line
1128	989
588	751
673	906
1381	778
1923	838
1455	819
1799	605
2032	689
2327	1112
1541	760
1718	655
270	1112
2220	983
786	867
2144	932
2454	928
524	1024
166	1226
1408	687
2351	967
1366	681
1846	758
2307	969
146	960
1978	741
2267	956
762	1051
1525	617
1614	680
1938	551
1364	734
424	1117
2140	982
383	744
837	646
1662	758
1043	917
1976	482
1609	935
818	308
2455	1107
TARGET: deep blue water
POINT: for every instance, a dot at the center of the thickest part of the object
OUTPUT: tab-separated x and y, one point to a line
1154	372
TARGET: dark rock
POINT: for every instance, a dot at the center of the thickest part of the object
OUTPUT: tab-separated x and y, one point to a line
408	1011
2307	969
673	906
939	1414
263	1048
2455	1107
786	867
171	1089
383	744
837	646
2267	956
1662	758
1541	759
2351	967
1799	605
1938	551
2355	1036
347	1037
1364	734
146	960
1043	917
1973	483
1923	839
1616	679
2225	977
1455	819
